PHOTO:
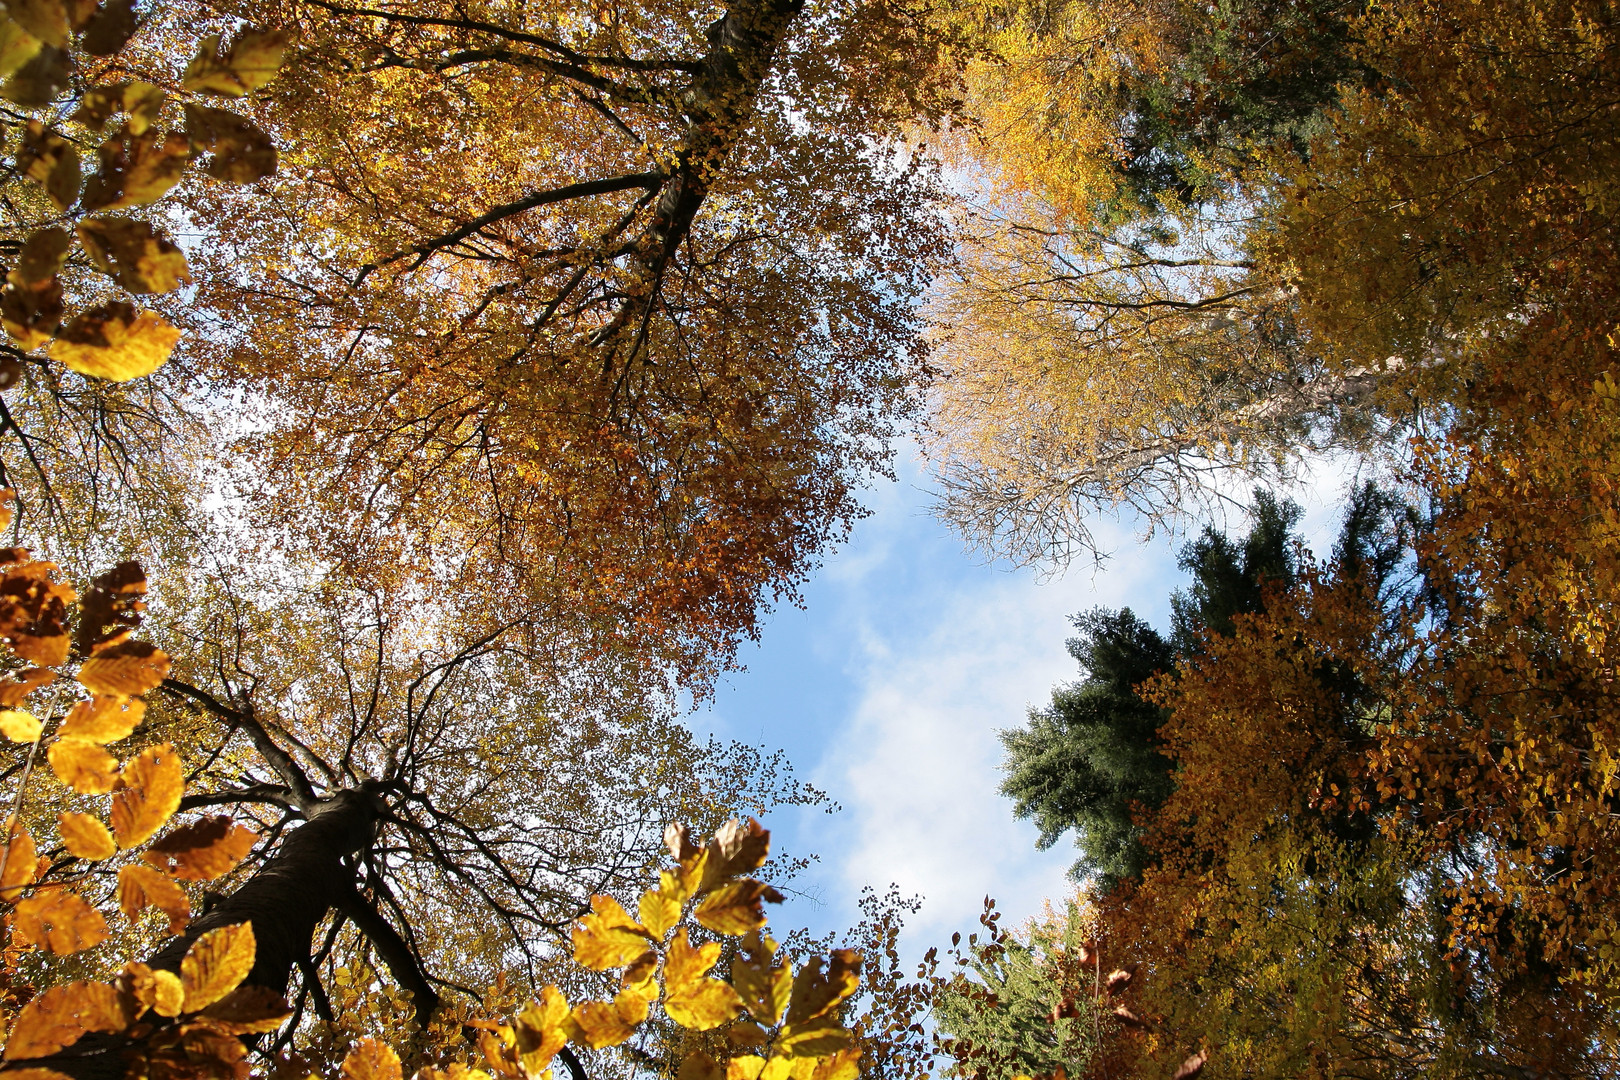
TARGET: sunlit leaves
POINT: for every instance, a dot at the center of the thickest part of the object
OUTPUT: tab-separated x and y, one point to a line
21	863
112	341
85	837
62	1015
59	921
141	887
691	999
83	766
20	726
103	719
763	982
736	908
157	990
124	668
251	61
371	1060
149	796
136	170
216	964
608	937
541	1029
33	608
242	154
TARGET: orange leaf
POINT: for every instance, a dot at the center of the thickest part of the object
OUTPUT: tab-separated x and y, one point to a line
249	1009
153	784
86	837
104	719
157	990
125	667
59	921
141	887
216	964
22	863
371	1060
83	766
202	850
62	1014
13	691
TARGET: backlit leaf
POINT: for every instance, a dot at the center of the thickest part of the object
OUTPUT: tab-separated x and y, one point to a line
17	47
136	170
111	607
103	719
745	1067
816	993
690	999
60	1016
59	921
216	964
153	784
45	19
242	154
86	837
43	254
20	726
252	61
202	850
249	1009
736	908
608	937
371	1060
141	887
542	1028
33	608
14	691
763	986
844	1065
605	1023
134	254
660	908
111	341
818	1037
157	990
700	1066
83	766
22	863
38	83
124	667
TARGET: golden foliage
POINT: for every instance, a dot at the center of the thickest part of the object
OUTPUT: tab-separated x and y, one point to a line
216	964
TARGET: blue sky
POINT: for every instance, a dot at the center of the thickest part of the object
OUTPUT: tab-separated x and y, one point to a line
888	688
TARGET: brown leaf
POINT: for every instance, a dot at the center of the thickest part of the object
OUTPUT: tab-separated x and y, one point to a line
43	254
153	784
216	964
143	988
242	154
371	1060
59	921
141	887
111	341
700	1066
134	254
103	719
31	316
1192	1066
38	82
60	1016
33	608
110	28
844	1065
741	847
14	691
249	1009
815	994
111	607
45	19
83	766
1117	981
124	667
818	1037
202	850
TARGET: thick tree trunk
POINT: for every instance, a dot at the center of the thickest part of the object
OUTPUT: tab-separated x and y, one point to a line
285	901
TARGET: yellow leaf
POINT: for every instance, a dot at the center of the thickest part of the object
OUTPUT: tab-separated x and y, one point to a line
104	719
49	159
202	850
112	342
134	254
141	887
817	1037
746	1067
20	726
59	921
251	62
371	1060
157	990
604	1023
844	1065
22	863
45	19
763	987
816	994
216	964
83	766
736	908
85	837
17	47
660	908
60	1016
778	1068
690	999
125	668
608	937
641	977
153	784
136	170
541	1029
